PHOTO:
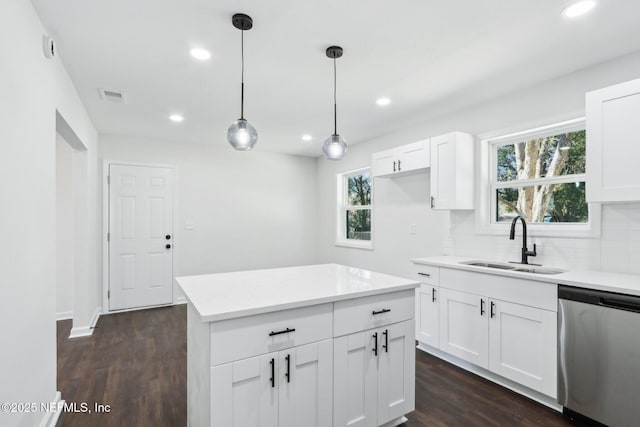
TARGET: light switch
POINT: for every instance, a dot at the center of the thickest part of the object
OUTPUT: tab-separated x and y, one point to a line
412	229
188	224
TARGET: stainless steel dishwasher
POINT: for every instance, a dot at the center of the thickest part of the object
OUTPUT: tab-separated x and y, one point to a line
599	355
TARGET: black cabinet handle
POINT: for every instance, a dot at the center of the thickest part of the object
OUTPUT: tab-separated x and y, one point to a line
424	274
493	306
168	237
375	344
168	246
384	310
288	359
399	166
433	202
394	165
284	331
481	307
386	341
433	294
273	372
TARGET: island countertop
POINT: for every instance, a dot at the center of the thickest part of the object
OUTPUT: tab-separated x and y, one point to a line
223	296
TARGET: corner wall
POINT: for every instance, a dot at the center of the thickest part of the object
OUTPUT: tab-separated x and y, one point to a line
32	88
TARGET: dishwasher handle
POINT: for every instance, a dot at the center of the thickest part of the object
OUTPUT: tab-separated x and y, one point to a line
621	304
601	298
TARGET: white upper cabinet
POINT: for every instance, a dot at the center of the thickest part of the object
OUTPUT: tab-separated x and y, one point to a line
452	171
407	158
613	143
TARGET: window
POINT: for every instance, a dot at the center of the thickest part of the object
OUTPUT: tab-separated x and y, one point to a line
354	209
540	175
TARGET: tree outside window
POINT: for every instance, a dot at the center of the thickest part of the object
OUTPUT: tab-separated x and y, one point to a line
541	178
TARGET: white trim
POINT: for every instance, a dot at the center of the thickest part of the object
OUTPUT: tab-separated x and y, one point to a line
358	244
180	300
105	225
518	388
50	418
86	331
396	422
485	197
64	315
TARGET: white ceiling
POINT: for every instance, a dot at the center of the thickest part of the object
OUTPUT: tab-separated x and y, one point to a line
426	55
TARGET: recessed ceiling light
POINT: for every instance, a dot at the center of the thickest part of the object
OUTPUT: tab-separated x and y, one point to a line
383	101
579	8
307	137
201	54
177	118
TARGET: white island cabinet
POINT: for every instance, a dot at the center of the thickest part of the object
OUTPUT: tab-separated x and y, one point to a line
320	345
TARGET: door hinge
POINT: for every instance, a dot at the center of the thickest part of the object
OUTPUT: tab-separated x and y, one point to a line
108	179
108	237
109	294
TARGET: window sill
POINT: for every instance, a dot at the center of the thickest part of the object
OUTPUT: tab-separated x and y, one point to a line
368	245
547	230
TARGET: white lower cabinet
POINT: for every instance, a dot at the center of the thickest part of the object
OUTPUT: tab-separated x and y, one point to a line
374	375
505	325
289	388
464	326
523	345
427	315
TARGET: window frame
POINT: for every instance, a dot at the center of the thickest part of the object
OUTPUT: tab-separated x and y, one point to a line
486	219
343	205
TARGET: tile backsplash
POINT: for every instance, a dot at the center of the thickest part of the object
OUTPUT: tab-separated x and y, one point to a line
617	250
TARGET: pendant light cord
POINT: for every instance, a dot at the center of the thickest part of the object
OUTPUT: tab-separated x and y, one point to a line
242	75
335	102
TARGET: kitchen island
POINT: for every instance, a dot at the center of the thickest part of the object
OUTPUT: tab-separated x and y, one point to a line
318	345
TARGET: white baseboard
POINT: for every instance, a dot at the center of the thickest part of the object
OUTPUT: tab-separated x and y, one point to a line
64	315
518	388
396	422
51	418
85	331
181	300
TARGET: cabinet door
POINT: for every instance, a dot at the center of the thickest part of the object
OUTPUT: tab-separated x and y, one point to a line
428	318
613	143
413	156
243	394
384	163
464	326
396	371
523	345
305	385
443	171
355	381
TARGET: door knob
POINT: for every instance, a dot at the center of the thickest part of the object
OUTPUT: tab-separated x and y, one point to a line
168	237
168	246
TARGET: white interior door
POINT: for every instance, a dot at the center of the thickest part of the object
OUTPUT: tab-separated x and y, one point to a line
140	236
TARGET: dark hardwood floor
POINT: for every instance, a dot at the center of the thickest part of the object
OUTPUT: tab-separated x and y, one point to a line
136	363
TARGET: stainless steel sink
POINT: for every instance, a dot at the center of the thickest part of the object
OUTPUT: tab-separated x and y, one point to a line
514	267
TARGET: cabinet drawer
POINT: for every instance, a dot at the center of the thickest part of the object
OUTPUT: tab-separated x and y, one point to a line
358	314
236	339
427	274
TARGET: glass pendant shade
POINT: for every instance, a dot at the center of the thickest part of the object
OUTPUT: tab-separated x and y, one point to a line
335	147
241	135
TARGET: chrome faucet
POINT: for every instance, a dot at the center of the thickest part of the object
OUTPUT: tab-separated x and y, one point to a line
526	253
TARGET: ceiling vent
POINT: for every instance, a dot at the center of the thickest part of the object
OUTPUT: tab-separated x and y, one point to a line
113	96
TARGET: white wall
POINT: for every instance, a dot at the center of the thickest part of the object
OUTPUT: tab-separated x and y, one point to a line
64	229
32	89
249	209
549	102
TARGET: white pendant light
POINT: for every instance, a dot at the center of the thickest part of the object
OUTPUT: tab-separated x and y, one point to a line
335	147
241	135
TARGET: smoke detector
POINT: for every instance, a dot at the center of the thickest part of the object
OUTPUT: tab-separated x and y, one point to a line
113	95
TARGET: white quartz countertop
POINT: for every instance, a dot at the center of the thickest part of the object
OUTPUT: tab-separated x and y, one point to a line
244	293
600	280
